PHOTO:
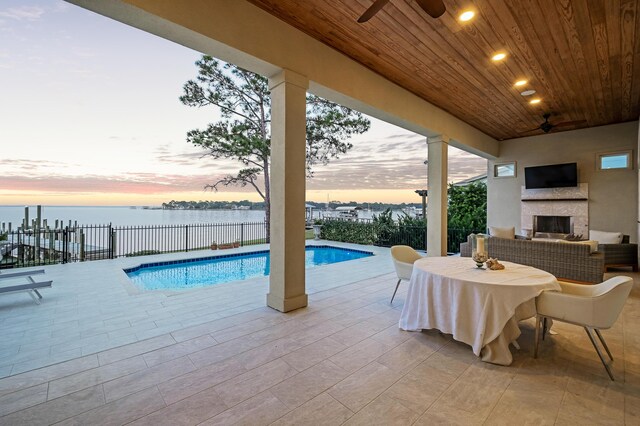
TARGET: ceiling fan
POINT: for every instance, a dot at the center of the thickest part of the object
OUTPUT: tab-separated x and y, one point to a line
547	127
434	8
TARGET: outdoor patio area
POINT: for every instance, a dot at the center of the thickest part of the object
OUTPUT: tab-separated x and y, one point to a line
466	172
219	356
94	306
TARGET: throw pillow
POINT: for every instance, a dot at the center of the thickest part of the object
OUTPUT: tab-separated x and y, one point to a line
606	237
509	233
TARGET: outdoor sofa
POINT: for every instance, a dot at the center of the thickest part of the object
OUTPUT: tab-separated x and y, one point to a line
566	261
623	254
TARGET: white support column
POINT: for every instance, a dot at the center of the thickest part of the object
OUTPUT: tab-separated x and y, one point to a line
288	174
437	196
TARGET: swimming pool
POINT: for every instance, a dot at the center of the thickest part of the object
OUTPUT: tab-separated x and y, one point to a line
206	271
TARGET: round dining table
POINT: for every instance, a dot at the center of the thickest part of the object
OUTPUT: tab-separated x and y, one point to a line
480	307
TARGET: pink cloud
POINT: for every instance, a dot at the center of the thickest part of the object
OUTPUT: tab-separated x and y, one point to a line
135	183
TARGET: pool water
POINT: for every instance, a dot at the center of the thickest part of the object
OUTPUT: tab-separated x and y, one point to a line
202	272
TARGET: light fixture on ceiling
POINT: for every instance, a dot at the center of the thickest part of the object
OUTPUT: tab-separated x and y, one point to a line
520	83
498	56
528	92
535	101
466	16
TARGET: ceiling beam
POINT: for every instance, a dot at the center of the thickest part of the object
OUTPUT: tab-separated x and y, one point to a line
238	32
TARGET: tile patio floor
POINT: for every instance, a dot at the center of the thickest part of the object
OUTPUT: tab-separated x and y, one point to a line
93	306
340	360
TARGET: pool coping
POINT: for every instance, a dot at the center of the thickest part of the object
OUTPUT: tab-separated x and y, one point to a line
237	254
130	262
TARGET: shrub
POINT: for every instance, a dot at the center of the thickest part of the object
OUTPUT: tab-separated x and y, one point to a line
349	232
381	231
468	206
385	232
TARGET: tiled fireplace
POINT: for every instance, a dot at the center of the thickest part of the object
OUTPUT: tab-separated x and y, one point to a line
555	212
552	225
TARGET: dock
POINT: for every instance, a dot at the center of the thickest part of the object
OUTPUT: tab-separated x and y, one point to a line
34	242
42	248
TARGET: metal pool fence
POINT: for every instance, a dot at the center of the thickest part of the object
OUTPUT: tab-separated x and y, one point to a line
43	246
416	237
389	234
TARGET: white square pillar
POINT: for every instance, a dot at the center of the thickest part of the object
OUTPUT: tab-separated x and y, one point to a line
438	149
288	173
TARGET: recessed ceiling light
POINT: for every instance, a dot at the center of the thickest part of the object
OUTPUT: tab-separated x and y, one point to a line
520	83
467	16
528	92
535	101
499	56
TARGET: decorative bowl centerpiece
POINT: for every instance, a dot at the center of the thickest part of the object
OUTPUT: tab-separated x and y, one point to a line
478	249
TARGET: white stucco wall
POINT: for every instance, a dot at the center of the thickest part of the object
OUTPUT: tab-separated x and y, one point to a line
613	194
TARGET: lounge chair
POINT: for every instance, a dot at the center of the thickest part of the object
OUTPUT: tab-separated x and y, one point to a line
31	287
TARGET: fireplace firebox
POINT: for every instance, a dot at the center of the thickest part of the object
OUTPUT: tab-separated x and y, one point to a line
552	226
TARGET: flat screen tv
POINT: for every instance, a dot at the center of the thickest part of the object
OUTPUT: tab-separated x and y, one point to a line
551	176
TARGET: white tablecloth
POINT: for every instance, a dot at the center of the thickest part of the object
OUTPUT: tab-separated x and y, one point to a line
479	307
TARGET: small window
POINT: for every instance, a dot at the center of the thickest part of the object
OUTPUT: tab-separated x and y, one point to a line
615	160
504	170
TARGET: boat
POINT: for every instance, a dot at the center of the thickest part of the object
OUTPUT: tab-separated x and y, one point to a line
347	212
413	212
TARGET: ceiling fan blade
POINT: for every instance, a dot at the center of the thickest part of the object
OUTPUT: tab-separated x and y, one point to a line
570	123
434	8
527	132
532	130
373	9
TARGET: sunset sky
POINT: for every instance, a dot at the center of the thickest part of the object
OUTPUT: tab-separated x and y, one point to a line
91	116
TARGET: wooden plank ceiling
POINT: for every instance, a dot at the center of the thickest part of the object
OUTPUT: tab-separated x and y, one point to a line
581	56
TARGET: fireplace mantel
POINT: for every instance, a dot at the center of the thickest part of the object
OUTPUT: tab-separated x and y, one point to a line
556	194
572	202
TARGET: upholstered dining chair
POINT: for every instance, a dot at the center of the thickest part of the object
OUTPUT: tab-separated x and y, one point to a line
594	307
403	258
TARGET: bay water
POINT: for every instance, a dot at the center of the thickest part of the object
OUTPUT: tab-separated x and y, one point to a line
128	216
134	216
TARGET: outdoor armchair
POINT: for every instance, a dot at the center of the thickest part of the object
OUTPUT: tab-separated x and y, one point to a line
594	307
403	258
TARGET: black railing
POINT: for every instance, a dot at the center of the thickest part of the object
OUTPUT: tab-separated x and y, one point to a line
388	234
140	240
45	246
416	237
455	237
35	247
